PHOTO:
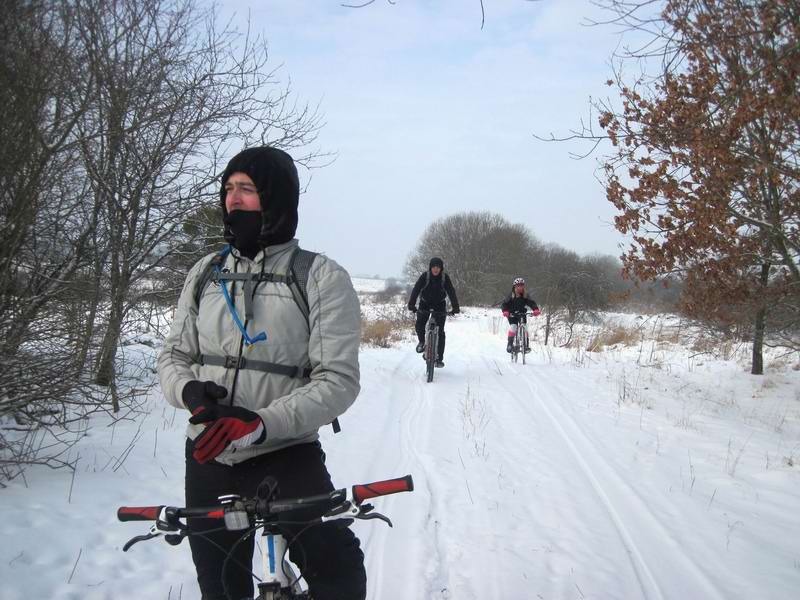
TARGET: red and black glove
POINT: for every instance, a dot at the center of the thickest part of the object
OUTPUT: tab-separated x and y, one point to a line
506	313
536	312
228	426
200	395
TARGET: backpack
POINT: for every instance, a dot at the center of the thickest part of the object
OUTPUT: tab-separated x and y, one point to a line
296	278
428	281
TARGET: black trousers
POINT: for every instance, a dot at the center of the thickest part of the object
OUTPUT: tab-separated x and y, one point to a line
329	555
422	320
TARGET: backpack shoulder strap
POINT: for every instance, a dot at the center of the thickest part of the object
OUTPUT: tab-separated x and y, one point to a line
427	281
299	267
205	277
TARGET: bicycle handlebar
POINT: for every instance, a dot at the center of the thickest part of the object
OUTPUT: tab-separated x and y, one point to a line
263	508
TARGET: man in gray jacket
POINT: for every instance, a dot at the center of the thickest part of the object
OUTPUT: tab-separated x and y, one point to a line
261	368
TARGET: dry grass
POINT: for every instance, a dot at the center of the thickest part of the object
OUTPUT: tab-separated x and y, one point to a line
704	344
612	337
382	333
724	349
670	337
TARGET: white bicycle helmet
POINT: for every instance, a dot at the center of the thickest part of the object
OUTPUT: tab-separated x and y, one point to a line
519	281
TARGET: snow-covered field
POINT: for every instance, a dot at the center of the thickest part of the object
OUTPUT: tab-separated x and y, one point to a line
368	284
651	471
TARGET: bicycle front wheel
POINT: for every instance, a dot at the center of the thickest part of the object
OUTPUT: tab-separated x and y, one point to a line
524	343
430	355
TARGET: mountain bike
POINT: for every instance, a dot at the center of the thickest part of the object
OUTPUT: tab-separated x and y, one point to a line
431	349
521	339
248	515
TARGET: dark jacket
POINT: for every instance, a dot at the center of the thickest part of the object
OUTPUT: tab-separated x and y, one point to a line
514	303
432	292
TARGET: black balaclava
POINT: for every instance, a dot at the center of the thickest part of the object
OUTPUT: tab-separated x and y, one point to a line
245	231
275	176
436	262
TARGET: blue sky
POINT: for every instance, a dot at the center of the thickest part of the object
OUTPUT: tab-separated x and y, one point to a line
430	115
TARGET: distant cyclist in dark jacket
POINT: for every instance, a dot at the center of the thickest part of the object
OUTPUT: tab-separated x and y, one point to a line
517	302
433	288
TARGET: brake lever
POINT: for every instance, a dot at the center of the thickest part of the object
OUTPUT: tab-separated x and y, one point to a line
141	538
375	515
173	539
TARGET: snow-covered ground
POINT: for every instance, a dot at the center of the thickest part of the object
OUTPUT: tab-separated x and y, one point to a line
368	284
651	470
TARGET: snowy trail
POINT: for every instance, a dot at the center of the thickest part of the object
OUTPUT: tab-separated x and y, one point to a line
532	482
566	521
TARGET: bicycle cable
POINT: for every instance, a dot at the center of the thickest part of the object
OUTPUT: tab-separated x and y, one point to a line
229	553
289	543
229	557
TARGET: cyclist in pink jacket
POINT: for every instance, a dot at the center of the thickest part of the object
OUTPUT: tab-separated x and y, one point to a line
515	308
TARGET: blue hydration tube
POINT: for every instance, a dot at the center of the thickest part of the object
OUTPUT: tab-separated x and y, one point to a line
261	337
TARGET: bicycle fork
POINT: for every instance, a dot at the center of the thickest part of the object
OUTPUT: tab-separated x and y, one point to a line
277	579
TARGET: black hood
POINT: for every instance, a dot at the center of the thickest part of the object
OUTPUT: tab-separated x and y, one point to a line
275	176
436	262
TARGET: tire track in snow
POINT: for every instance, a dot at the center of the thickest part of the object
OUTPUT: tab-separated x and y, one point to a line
647	582
416	434
408	391
513	375
603	477
375	540
704	585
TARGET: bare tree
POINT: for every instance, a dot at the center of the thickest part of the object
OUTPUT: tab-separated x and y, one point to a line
482	253
113	115
47	227
172	90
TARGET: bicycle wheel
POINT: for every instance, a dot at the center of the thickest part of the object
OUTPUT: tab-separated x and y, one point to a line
515	347
524	341
430	356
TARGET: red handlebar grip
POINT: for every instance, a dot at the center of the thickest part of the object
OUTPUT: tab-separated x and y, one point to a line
382	488
138	513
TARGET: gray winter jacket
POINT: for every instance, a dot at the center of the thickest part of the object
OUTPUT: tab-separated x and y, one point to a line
293	409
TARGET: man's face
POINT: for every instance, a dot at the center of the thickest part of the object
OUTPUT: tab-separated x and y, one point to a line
520	289
435	271
241	193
